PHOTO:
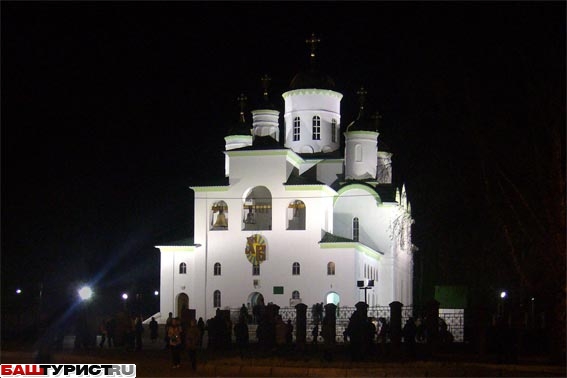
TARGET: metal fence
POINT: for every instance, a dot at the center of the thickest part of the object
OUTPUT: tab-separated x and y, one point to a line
453	319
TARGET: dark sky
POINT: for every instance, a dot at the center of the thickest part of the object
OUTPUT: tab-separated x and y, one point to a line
111	110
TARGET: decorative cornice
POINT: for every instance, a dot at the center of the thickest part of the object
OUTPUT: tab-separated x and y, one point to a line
311	91
310	187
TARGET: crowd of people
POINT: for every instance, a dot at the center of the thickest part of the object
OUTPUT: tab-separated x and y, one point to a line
183	336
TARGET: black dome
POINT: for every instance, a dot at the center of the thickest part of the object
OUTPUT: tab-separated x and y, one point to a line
312	79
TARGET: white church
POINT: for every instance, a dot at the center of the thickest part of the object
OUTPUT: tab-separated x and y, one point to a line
301	220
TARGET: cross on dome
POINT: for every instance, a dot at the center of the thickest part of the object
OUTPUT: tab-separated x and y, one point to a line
361	97
242	100
266	83
312	42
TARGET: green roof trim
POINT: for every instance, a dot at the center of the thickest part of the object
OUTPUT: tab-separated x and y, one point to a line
277	152
177	248
331	241
203	189
366	188
362	132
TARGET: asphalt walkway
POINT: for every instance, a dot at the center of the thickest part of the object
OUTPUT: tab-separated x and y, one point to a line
154	361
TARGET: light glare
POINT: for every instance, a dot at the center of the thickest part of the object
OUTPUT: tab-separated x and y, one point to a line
85	293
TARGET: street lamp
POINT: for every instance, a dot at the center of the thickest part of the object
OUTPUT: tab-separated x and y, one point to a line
85	293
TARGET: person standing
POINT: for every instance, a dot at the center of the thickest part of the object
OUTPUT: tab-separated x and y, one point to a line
242	337
153	329
174	340
192	337
168	324
139	330
201	326
409	332
102	330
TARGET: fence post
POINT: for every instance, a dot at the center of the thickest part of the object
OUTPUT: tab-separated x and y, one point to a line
396	326
329	330
300	325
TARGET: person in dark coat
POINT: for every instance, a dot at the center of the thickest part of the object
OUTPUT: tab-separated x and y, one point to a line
241	334
138	331
201	326
409	333
153	329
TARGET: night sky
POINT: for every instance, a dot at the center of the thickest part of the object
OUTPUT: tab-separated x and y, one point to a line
110	111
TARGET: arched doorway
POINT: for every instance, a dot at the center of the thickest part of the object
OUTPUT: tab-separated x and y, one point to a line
333	298
182	303
255	298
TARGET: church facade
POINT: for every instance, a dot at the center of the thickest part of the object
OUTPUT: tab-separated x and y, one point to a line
300	220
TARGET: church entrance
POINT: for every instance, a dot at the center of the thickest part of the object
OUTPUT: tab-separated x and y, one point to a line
255	298
182	303
333	298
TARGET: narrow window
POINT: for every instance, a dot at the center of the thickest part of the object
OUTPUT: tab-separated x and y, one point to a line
182	268
331	268
334	132
217	270
256	269
296	128
358	153
316	128
295	270
216	299
355	229
295	295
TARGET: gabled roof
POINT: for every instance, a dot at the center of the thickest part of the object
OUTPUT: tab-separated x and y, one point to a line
308	177
330	238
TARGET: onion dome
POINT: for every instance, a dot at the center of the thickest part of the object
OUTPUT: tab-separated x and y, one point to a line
312	78
364	122
242	127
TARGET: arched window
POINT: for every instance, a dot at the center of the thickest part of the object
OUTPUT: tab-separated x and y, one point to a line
257	209
217	270
216	299
355	229
316	128
295	295
334	131
296	269
182	268
296	128
331	268
255	269
219	216
296	215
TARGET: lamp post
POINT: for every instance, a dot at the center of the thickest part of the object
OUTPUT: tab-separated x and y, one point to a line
125	299
83	337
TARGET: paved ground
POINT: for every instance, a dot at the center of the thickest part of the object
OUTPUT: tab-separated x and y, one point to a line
154	361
